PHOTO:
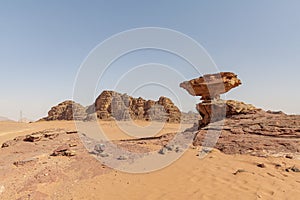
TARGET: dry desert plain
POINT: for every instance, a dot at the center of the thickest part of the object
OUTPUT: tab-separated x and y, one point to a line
29	172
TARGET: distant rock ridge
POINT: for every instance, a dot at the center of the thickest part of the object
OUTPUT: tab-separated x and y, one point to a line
110	105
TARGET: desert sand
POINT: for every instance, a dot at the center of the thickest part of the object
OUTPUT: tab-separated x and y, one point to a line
216	176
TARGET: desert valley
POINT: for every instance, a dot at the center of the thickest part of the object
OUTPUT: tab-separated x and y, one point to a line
230	150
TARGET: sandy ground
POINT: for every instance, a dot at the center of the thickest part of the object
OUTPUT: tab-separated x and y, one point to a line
212	177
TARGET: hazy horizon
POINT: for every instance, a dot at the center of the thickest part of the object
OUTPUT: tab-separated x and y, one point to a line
44	43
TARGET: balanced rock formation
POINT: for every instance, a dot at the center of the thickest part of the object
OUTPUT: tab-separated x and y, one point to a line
210	86
64	111
246	129
110	104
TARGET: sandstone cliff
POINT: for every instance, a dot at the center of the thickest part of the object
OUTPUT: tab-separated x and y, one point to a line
111	105
64	111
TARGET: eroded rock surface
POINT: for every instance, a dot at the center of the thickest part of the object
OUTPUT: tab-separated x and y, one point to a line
216	110
110	104
260	133
64	111
244	128
212	108
210	86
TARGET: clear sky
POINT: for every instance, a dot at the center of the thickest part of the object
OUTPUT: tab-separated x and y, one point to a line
43	43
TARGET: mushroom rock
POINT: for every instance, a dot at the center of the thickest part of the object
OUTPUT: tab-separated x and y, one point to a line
210	86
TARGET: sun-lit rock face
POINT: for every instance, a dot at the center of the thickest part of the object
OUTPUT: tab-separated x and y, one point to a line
210	86
67	110
212	108
113	105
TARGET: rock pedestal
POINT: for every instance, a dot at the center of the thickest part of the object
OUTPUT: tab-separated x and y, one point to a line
210	87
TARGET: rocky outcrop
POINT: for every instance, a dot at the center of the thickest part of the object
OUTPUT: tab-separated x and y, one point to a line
243	128
210	86
261	133
212	108
64	111
112	105
212	111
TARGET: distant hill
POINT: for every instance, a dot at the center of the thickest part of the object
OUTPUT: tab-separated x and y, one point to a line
113	105
2	119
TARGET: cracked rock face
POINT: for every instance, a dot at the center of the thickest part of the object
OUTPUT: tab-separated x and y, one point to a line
260	133
64	111
217	110
245	129
210	86
110	104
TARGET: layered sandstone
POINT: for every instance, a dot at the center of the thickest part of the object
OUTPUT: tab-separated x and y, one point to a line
210	87
113	105
67	110
261	133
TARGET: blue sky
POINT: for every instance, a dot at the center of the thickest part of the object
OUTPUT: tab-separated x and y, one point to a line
43	43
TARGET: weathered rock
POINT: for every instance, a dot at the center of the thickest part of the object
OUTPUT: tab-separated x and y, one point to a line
33	137
210	86
163	151
112	105
212	111
25	161
67	110
122	157
259	133
60	149
103	154
293	169
5	144
71	132
245	129
261	165
99	148
239	171
289	156
37	136
63	150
